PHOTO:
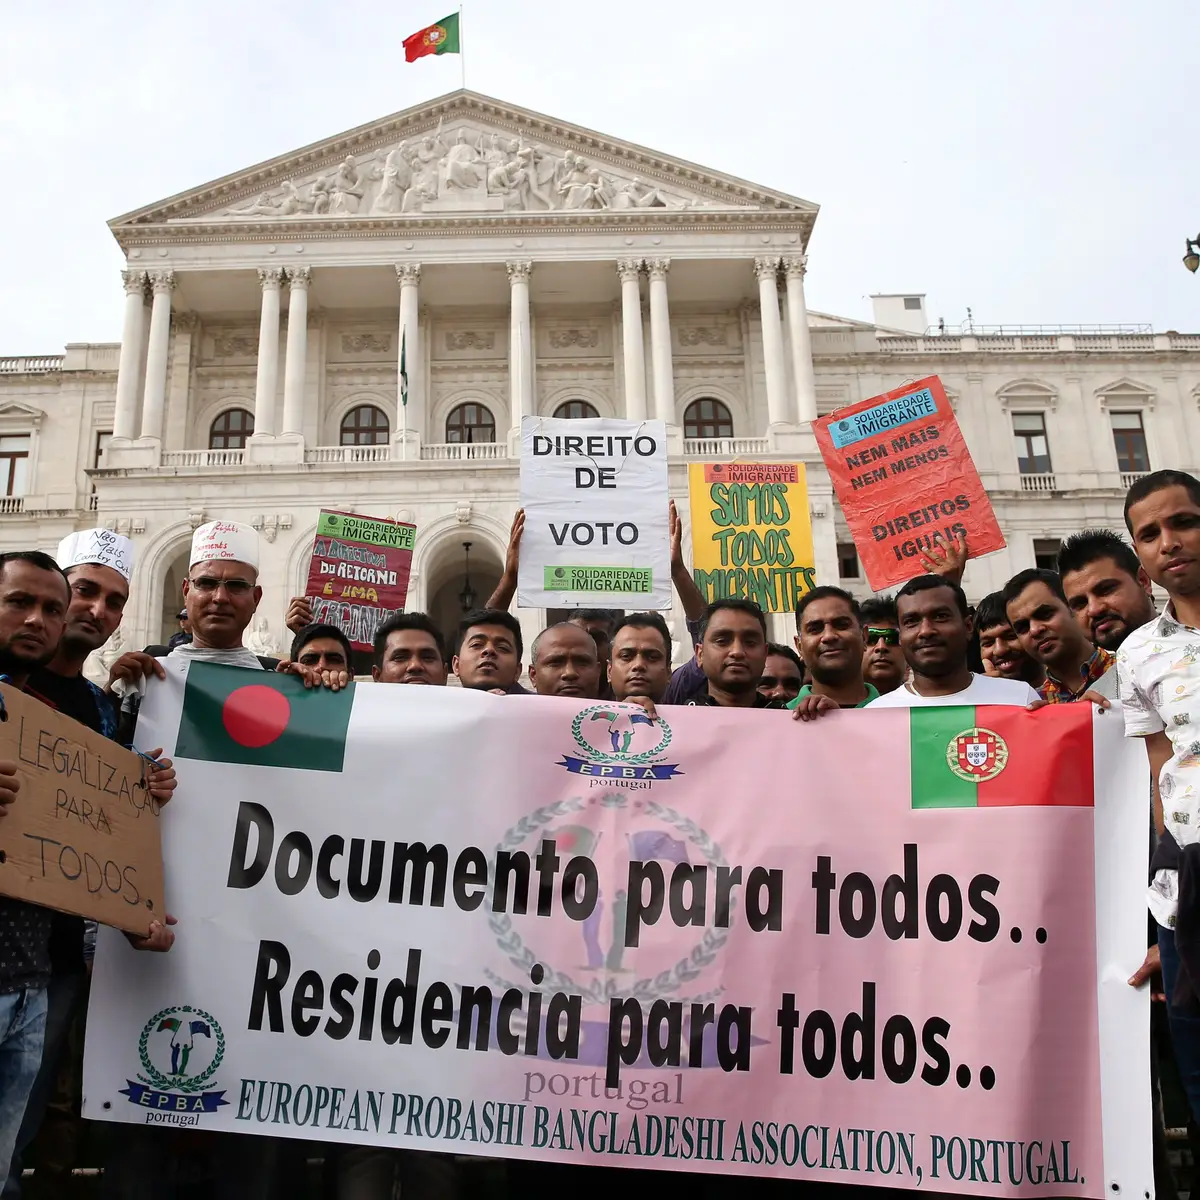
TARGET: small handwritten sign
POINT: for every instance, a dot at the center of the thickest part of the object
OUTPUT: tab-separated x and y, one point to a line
82	835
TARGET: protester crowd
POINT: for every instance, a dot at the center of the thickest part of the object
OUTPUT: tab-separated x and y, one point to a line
1088	632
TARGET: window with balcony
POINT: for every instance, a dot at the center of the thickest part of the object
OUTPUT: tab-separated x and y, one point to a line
470	423
231	429
14	463
1045	553
1130	437
707	418
1033	450
365	425
576	410
847	554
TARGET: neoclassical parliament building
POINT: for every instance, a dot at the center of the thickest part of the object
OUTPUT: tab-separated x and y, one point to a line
519	265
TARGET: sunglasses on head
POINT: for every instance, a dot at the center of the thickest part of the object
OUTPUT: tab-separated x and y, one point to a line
885	633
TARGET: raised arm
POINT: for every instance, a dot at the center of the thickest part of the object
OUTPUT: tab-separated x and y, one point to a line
689	594
506	589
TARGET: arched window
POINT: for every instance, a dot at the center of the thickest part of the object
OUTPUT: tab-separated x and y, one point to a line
365	425
470	423
707	418
231	429
576	410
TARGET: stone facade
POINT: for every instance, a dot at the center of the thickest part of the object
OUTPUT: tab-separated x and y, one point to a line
516	265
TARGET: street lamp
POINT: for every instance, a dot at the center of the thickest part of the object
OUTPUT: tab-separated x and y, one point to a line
1191	259
467	596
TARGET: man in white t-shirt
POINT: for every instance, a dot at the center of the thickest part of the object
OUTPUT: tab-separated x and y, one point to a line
935	629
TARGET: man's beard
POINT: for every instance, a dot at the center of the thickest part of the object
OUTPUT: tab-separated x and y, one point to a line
834	676
11	665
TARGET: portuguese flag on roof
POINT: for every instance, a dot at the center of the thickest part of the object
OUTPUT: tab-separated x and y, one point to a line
262	719
1001	756
439	38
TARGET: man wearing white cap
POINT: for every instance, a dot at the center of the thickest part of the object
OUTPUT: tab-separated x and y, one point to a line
98	564
220	596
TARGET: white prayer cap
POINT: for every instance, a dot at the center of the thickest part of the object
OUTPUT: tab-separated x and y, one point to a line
225	541
100	546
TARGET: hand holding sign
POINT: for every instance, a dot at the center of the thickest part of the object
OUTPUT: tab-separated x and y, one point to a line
905	480
10	785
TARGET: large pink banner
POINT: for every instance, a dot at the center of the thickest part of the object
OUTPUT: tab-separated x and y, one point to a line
722	942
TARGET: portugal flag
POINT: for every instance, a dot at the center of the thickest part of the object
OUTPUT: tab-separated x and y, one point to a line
262	719
439	38
1001	756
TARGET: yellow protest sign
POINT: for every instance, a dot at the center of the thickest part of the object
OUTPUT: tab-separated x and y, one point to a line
751	534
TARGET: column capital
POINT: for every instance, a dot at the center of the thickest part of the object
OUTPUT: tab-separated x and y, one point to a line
795	265
519	272
658	267
408	273
161	281
299	277
134	281
270	278
766	268
629	269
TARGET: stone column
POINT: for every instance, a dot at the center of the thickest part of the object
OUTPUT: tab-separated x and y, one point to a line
520	345
660	341
767	270
129	365
295	362
794	267
629	270
162	284
408	276
270	279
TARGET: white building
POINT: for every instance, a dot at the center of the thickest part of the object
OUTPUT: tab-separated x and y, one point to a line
521	265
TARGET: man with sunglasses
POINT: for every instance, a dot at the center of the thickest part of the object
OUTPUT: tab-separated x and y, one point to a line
883	660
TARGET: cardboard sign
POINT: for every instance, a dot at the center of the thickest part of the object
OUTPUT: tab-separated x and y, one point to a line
751	534
358	575
82	836
596	514
905	480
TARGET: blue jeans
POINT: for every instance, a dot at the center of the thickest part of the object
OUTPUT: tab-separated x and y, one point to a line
63	998
22	1028
1185	1030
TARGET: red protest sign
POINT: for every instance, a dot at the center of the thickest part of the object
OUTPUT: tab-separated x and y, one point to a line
905	480
358	574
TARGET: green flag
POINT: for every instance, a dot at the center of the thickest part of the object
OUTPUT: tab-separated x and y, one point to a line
261	718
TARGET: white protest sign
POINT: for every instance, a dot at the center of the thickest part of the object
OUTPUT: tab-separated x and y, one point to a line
596	523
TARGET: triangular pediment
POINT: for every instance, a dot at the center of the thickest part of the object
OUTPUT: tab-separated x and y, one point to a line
469	155
16	410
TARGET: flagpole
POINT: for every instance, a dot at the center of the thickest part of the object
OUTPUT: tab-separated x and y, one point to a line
462	54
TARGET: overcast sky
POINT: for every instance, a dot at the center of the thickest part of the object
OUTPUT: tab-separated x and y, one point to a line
1036	161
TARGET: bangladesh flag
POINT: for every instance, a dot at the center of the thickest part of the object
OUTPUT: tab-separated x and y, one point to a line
439	38
1001	756
262	719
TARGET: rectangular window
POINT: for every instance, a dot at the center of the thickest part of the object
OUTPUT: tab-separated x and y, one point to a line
847	560
14	464
103	437
1033	450
1045	553
1130	438
912	303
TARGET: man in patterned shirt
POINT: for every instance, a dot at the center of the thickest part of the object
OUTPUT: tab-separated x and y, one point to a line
1159	669
1049	633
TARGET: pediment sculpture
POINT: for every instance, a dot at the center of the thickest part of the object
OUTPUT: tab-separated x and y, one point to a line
471	170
